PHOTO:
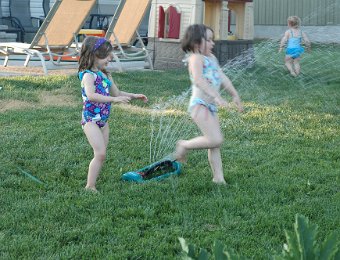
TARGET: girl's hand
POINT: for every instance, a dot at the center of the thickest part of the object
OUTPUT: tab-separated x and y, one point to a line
121	99
221	102
238	104
141	96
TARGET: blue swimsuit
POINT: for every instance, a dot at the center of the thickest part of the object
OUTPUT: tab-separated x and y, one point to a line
212	74
294	48
96	111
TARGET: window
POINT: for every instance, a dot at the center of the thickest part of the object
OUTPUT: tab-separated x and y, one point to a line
169	23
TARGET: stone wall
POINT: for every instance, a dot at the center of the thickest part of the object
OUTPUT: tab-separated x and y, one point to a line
165	54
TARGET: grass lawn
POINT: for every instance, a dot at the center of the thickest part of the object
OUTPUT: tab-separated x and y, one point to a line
281	157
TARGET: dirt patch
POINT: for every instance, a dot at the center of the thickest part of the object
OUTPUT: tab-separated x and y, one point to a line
15	104
34	71
57	98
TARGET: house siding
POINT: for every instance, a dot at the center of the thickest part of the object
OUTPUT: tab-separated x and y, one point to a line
311	12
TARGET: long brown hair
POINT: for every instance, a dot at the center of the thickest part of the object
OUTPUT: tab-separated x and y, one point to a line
89	53
193	36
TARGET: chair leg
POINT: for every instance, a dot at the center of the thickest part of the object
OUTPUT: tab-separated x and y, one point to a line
120	67
6	53
150	61
22	36
43	63
6	61
28	57
145	50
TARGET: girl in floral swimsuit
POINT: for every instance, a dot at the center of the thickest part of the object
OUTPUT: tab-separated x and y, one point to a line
98	92
207	79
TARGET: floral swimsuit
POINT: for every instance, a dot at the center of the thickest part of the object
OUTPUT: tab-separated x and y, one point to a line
97	112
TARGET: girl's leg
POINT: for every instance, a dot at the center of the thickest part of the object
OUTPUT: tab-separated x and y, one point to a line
106	131
214	156
211	139
289	65
209	126
297	65
95	136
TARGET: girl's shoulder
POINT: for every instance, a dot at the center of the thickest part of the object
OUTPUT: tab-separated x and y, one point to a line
288	32
87	74
199	58
213	57
194	57
295	32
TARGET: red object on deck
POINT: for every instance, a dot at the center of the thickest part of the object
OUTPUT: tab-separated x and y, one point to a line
174	23
161	22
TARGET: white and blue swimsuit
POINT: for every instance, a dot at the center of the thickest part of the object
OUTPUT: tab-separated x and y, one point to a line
294	48
212	74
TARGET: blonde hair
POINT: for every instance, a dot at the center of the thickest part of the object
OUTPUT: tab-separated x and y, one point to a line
294	21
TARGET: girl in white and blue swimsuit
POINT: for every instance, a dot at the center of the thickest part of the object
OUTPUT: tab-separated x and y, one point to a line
207	79
294	37
294	48
212	75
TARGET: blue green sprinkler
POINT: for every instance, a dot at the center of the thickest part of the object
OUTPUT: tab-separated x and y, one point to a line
156	171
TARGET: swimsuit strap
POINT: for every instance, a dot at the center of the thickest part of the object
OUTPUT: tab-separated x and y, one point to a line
291	33
82	73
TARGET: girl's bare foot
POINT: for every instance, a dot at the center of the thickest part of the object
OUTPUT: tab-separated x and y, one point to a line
180	152
219	181
293	73
91	189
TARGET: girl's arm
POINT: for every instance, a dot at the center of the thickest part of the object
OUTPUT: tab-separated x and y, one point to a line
228	86
284	40
134	96
114	91
306	41
196	69
90	89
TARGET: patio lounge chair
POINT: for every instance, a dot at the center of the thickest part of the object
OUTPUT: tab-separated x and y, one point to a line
124	28
56	34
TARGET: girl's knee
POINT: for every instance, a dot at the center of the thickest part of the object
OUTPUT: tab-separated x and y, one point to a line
101	156
220	141
217	141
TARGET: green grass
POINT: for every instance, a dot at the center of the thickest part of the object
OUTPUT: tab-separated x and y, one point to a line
281	157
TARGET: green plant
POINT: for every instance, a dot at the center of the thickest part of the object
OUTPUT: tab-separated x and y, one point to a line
301	244
191	252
